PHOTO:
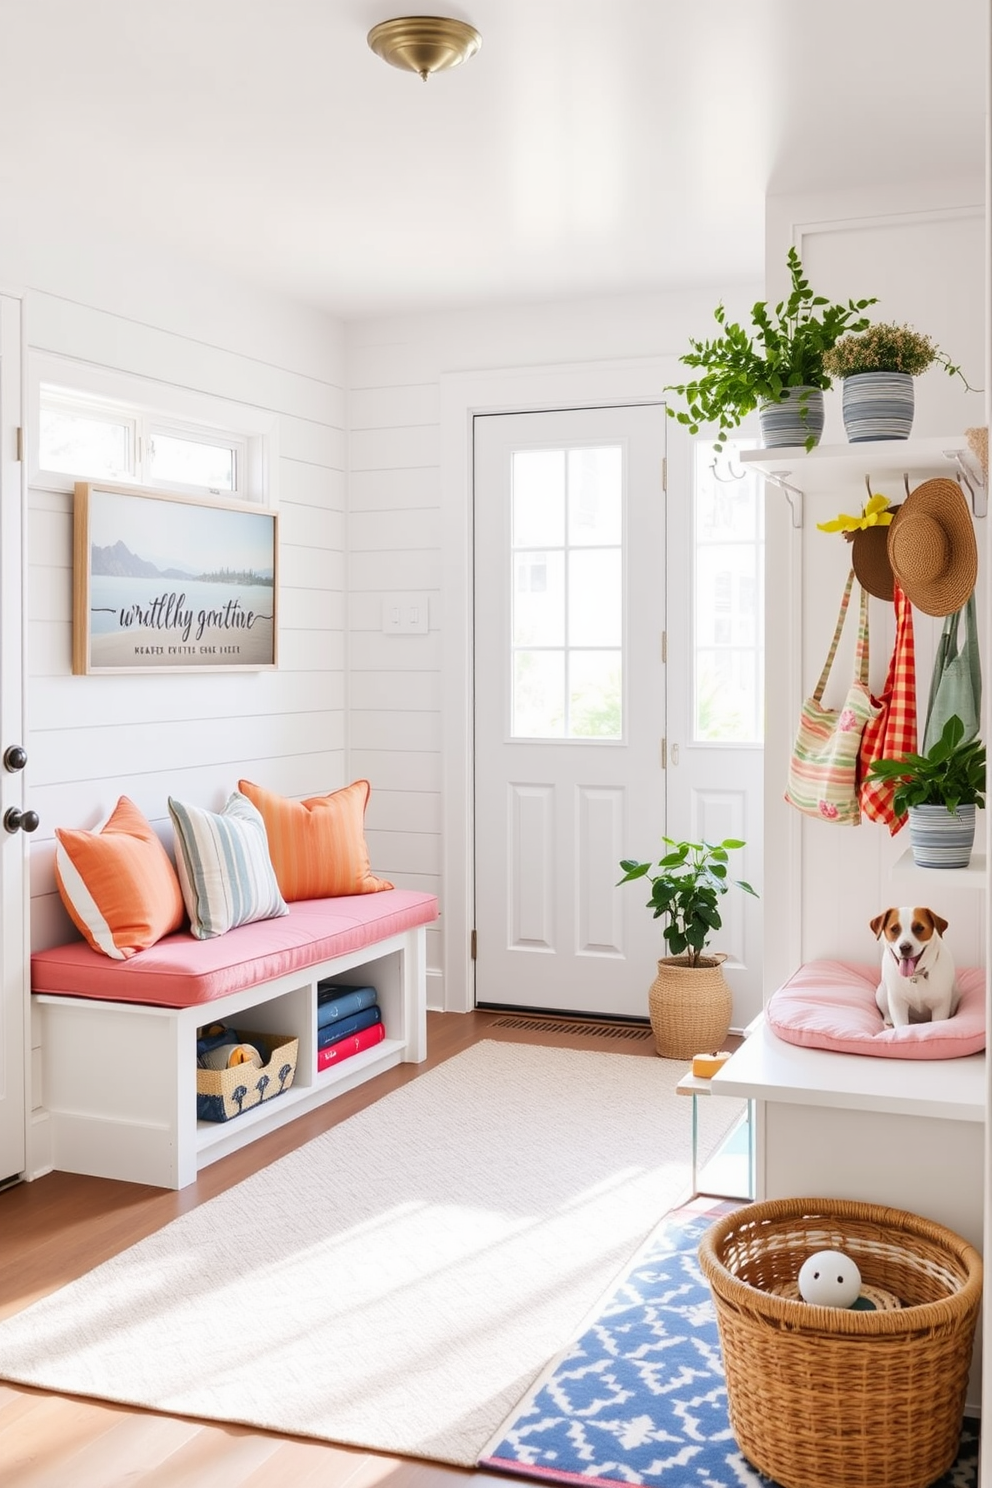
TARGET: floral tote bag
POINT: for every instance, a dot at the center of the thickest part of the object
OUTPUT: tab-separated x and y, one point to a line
823	768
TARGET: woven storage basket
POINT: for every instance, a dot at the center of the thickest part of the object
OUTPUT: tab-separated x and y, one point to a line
690	1006
824	1397
225	1093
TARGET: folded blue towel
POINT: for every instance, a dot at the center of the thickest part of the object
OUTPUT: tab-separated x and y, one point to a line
340	1001
345	1027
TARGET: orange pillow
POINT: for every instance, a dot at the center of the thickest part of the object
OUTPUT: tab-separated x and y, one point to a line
118	883
318	846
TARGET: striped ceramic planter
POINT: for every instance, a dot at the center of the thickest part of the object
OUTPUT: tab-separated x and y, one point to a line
793	418
877	405
940	839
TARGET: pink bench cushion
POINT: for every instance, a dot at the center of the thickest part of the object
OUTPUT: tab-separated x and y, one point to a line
180	971
831	1005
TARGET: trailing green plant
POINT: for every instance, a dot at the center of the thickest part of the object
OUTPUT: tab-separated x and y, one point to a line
885	347
741	369
950	774
693	877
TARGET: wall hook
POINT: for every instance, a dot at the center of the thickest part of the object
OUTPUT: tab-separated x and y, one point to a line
732	475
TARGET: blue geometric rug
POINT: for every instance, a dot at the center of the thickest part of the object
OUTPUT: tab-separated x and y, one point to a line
639	1398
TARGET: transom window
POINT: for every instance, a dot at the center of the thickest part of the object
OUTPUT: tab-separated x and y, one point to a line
90	439
567	587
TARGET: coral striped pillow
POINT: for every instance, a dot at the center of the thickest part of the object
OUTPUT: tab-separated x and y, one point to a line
318	846
118	883
224	867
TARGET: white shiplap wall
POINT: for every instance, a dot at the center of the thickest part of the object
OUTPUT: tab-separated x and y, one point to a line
396	479
91	739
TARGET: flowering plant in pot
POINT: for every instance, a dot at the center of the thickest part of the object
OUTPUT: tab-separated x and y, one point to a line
941	790
877	367
779	361
689	1002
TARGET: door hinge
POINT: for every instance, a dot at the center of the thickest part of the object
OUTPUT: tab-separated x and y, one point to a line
20	446
474	945
664	647
664	754
664	473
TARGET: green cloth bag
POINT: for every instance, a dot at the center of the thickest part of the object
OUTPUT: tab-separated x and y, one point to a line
956	686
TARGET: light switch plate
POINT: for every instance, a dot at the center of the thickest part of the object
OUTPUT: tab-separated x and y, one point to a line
405	614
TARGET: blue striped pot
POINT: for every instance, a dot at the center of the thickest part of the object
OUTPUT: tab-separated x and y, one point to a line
940	839
877	405
791	420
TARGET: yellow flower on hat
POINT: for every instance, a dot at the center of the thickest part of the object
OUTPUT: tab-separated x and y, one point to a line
875	514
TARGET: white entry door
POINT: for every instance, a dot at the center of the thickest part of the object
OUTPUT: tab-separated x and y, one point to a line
13	878
569	705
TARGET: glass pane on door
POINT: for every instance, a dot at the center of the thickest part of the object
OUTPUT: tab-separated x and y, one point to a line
567	593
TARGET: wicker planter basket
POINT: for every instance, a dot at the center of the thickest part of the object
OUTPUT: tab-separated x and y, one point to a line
690	1006
823	1397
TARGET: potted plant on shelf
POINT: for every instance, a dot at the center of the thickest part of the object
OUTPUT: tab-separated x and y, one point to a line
777	368
877	368
689	1001
941	790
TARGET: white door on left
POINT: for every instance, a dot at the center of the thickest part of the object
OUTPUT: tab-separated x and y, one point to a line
13	876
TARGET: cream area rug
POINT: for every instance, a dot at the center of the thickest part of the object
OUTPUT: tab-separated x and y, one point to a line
398	1282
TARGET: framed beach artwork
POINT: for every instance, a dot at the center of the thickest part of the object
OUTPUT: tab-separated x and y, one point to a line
166	583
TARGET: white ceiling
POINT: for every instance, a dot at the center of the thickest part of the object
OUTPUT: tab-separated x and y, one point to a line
593	146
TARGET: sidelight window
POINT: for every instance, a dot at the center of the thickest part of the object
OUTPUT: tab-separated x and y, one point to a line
728	550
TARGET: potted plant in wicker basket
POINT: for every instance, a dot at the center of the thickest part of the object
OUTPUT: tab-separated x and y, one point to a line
941	790
877	368
689	1001
776	368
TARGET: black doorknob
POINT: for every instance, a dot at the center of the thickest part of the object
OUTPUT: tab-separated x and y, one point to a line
15	820
15	757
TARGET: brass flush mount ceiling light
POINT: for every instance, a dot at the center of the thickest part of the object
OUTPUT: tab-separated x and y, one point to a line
424	44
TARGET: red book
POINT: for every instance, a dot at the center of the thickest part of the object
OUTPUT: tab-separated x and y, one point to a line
353	1044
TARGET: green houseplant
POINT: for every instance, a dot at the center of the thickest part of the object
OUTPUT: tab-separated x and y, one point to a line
941	790
781	358
878	367
689	1001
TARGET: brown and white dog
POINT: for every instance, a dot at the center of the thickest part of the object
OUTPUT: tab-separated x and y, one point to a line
918	984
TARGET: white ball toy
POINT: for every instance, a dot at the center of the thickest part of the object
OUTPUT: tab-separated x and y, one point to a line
829	1279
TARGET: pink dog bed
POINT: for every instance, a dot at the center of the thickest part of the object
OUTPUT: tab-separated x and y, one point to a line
831	1005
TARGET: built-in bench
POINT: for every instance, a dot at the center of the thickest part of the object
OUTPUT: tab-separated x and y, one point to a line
119	1037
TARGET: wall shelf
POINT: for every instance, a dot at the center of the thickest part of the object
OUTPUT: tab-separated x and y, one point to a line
975	876
894	462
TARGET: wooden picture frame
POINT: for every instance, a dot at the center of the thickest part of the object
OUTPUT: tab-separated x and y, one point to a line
169	583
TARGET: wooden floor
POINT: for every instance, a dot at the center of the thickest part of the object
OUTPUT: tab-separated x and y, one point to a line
63	1225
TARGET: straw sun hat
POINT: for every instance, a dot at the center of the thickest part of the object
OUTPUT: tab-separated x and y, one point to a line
931	548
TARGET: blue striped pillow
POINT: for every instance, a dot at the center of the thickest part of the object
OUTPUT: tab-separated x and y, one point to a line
224	866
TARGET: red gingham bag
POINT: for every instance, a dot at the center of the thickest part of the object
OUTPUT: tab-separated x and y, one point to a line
893	733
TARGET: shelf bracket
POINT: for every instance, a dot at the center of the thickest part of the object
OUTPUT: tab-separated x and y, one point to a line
972	481
793	495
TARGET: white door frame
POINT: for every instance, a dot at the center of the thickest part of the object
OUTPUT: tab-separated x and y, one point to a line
14	878
464	394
